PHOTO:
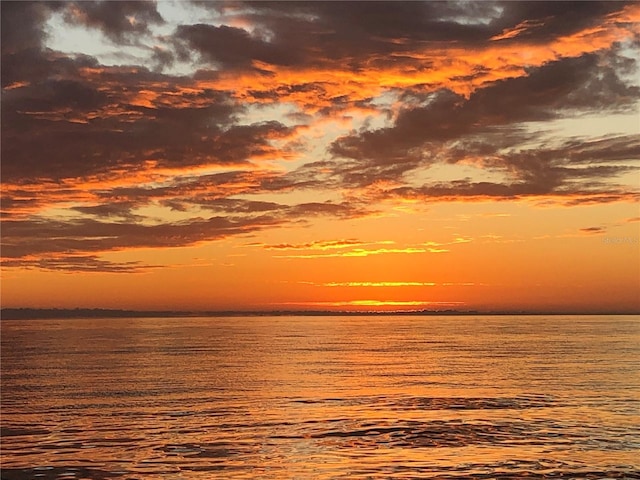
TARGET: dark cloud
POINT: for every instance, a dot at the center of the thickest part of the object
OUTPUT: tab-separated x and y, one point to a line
181	194
547	92
353	29
578	171
22	25
215	193
32	66
232	47
586	83
121	21
67	125
113	209
77	264
359	34
593	230
466	189
73	245
576	168
343	210
55	95
575	165
545	20
442	119
233	205
354	34
163	58
22	42
311	175
39	236
420	133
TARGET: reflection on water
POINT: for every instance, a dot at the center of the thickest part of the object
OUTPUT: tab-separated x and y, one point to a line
321	397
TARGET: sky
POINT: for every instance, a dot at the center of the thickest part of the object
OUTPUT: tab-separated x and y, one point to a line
321	155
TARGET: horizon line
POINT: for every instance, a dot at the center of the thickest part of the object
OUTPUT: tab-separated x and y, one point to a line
35	313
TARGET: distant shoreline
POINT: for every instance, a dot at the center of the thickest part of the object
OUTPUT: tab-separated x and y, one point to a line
97	313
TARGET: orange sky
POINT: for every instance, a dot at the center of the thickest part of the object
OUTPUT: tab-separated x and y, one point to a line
328	155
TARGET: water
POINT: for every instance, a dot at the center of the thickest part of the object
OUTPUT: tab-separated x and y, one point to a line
321	397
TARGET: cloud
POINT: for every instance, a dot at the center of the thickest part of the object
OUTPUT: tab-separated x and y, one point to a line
362	252
538	22
387	31
543	94
424	45
465	190
121	21
22	26
379	284
39	236
308	33
524	28
318	245
76	264
487	128
577	170
231	47
115	226
340	210
593	230
93	128
345	248
392	284
119	210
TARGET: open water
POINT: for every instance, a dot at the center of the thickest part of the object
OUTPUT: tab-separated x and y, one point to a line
500	397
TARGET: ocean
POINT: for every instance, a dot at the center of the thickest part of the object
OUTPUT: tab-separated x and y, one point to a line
367	397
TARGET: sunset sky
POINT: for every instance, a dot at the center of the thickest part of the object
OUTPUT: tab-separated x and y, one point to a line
330	155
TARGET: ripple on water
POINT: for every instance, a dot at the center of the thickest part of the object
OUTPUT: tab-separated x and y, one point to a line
321	398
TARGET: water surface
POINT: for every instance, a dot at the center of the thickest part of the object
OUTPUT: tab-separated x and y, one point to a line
321	397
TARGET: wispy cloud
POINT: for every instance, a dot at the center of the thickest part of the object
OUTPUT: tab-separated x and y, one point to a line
321	245
593	230
376	303
379	284
361	252
393	284
78	264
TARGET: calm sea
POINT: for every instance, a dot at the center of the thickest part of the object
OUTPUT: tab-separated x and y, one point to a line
322	397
